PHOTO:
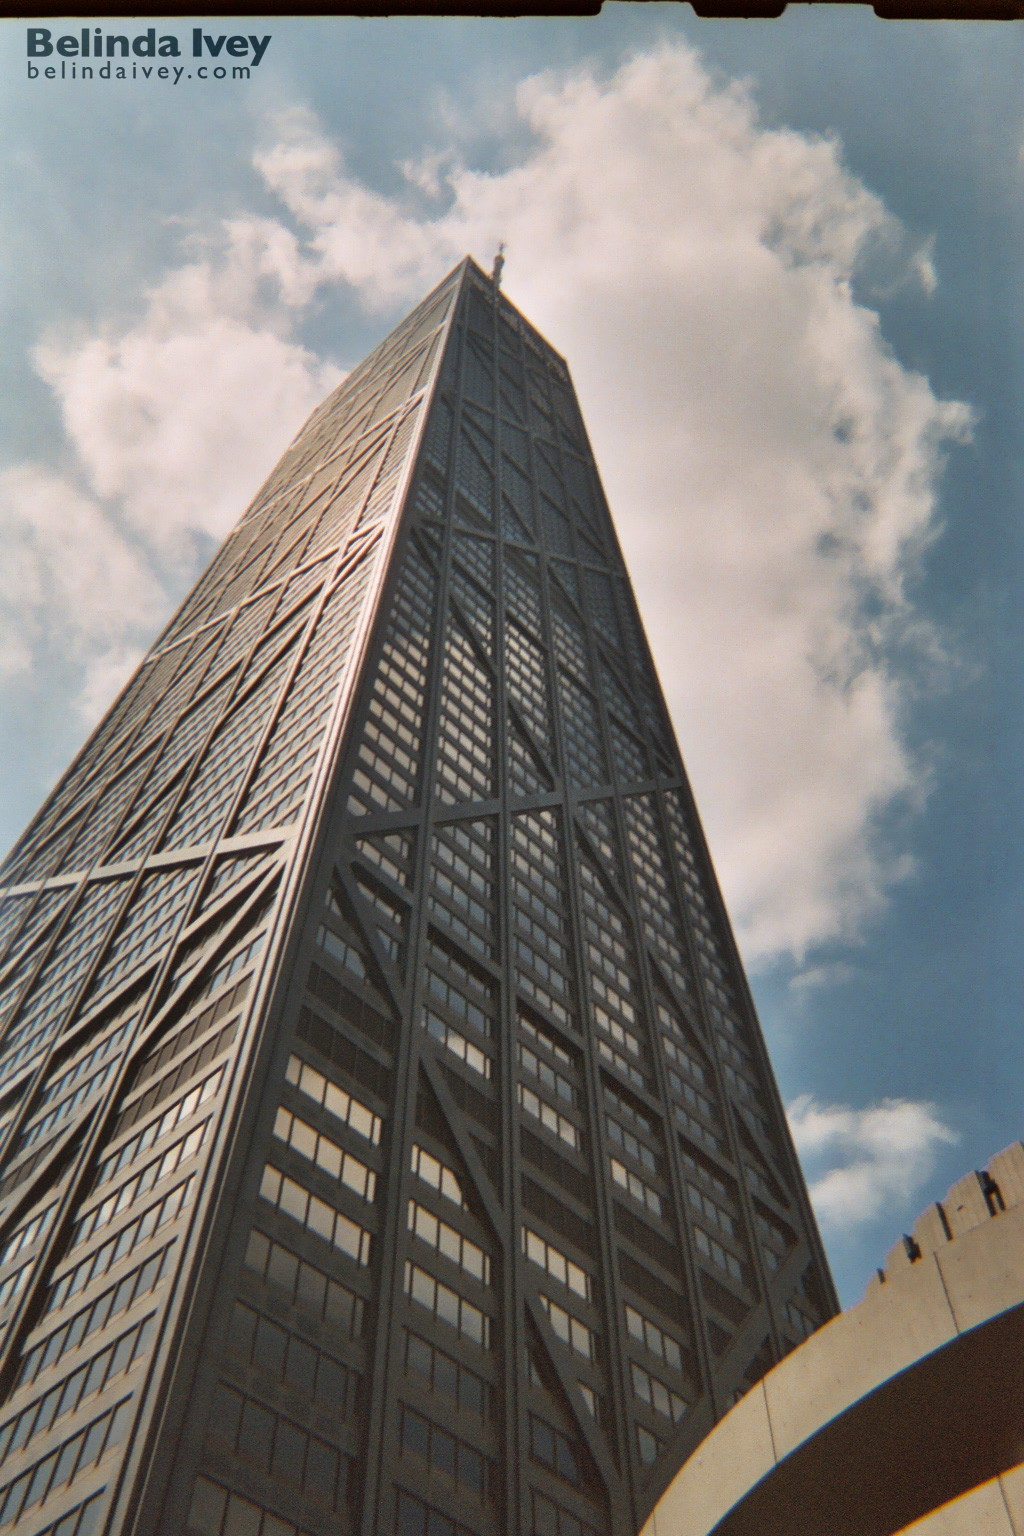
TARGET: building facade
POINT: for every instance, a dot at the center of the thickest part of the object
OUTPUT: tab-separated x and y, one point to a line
388	1140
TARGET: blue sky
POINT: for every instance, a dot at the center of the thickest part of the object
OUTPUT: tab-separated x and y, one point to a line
782	259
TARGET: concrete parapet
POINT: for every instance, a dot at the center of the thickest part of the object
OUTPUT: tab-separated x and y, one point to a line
905	1413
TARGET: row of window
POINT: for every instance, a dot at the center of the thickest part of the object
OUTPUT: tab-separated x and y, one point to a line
655	1394
137	1283
313	1145
456	1042
414	1518
26	1234
317	1377
133	1189
445	1454
391	852
170	1047
335	1100
548	1116
63	1398
136	1232
306	1286
60	1113
553	1081
622	1064
555	1263
453	998
653	1338
340	951
145	929
460	1250
173	1080
444	1303
280	1448
555	1451
631	1145
550	1519
435	1173
162	1126
635	1186
216	1511
447	1377
344	1234
569	1329
65	1081
64	1463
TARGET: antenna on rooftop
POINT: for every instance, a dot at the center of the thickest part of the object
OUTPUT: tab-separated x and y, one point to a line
499	262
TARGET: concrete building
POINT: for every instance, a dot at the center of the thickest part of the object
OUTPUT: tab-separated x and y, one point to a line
903	1414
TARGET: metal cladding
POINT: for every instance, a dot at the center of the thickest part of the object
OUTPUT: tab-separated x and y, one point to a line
388	1141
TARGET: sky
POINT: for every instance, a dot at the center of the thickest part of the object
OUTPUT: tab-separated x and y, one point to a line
782	259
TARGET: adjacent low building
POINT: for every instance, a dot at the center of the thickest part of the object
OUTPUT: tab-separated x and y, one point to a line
905	1413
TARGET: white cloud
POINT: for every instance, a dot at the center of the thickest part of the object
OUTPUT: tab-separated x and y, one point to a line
770	464
70	585
862	1161
179	417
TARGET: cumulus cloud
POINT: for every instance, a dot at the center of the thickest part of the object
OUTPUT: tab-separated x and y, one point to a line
863	1161
177	418
70	585
772	467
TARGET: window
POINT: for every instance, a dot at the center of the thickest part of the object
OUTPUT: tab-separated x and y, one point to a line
653	1338
311	1212
306	1286
448	1305
555	1263
326	1154
461	1250
447	1377
445	1454
437	1175
569	1329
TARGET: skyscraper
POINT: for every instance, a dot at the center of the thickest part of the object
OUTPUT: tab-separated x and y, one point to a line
389	1144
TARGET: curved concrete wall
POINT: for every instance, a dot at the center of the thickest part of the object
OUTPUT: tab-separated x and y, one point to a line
905	1413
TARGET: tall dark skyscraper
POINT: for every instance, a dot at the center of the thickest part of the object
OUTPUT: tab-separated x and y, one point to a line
388	1141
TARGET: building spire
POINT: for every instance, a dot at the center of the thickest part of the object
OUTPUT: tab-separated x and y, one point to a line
499	262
